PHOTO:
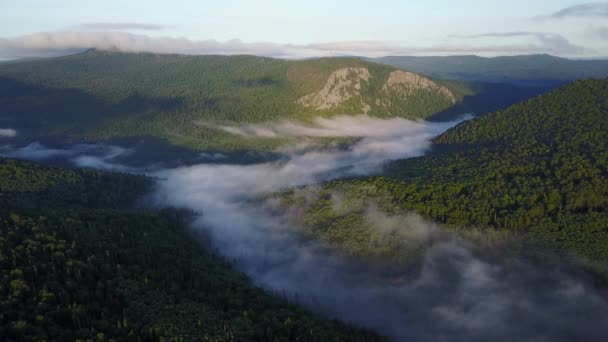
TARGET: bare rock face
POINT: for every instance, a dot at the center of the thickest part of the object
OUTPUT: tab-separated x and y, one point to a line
405	83
345	84
342	85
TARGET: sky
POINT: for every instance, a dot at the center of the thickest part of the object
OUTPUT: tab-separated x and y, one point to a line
296	29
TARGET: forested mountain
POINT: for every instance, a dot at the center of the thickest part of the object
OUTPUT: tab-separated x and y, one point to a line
538	168
77	264
532	69
101	94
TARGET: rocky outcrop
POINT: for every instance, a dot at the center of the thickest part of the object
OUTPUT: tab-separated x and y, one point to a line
342	85
405	83
345	84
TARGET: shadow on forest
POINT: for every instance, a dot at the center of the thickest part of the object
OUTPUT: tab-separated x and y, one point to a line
35	108
491	97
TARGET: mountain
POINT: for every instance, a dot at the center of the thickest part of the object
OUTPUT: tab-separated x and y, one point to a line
79	262
538	169
101	94
530	70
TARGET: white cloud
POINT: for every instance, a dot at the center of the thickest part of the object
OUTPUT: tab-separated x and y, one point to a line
98	156
453	291
73	40
588	10
124	26
7	133
547	42
597	32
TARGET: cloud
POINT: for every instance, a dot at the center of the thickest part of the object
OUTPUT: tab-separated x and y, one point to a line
379	140
549	42
600	32
37	152
362	126
124	26
44	44
455	290
97	156
588	10
7	133
456	294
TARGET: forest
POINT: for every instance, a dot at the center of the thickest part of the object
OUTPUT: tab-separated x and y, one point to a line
538	169
81	262
101	95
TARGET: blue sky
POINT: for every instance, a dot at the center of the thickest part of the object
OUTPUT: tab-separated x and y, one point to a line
313	27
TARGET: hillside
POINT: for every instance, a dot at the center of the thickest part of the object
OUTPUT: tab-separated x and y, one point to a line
78	263
111	94
532	69
538	168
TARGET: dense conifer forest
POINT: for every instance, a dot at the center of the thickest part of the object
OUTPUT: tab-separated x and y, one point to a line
79	263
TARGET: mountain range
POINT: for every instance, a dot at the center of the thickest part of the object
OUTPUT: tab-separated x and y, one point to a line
527	70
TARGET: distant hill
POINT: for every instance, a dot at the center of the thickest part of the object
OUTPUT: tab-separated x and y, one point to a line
531	69
100	94
539	168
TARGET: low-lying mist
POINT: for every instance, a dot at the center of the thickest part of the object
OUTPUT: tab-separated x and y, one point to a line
96	156
7	133
456	294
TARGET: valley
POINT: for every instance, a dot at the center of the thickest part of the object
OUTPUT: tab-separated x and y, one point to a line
250	198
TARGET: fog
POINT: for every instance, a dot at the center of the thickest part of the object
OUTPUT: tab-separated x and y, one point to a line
456	295
307	162
7	133
97	156
455	292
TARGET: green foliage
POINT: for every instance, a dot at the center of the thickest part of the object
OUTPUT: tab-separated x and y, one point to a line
107	94
82	274
341	217
26	185
73	267
538	168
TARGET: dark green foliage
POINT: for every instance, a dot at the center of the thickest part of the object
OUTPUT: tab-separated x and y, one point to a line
108	94
77	268
26	185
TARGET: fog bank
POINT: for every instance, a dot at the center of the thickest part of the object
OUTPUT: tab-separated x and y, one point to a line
457	295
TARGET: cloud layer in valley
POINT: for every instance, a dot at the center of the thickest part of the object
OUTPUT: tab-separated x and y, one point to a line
97	156
7	133
380	140
457	294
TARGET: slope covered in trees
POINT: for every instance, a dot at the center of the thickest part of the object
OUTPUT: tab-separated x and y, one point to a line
539	168
109	94
77	264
